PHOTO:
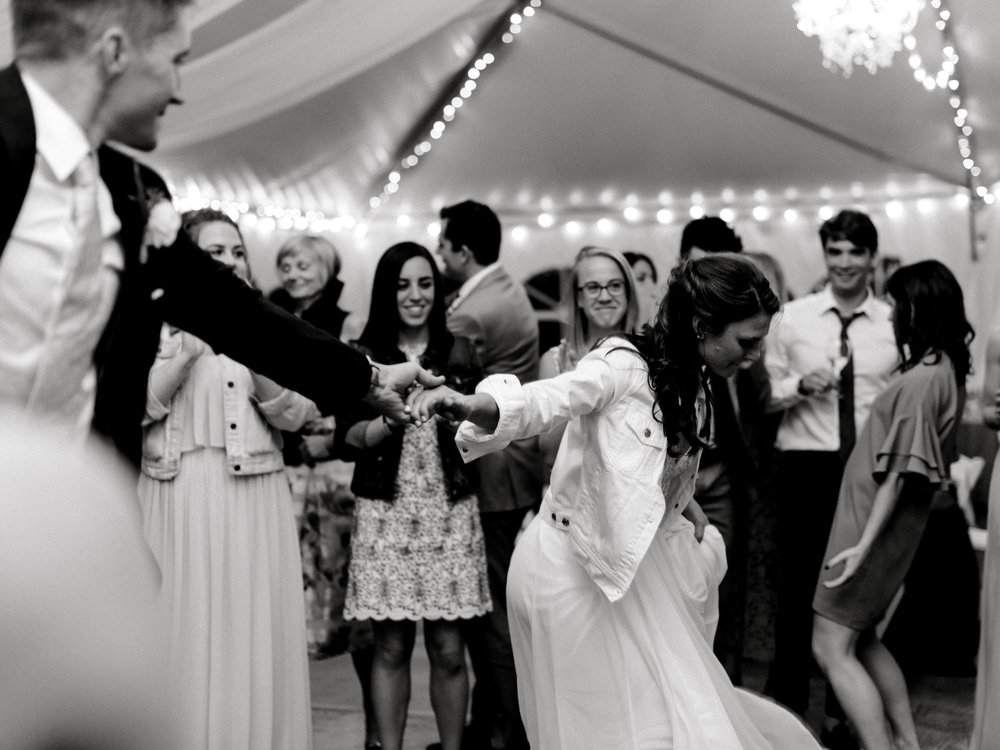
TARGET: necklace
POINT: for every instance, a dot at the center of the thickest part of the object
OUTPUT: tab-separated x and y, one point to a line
413	352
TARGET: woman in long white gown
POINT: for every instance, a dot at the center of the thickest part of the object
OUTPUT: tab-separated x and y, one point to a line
217	513
612	588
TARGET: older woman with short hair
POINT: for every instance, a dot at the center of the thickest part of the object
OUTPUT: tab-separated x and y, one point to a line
307	268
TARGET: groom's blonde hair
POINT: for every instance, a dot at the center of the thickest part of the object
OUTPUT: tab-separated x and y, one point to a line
61	29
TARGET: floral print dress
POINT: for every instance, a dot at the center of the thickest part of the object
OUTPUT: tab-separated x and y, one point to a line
420	555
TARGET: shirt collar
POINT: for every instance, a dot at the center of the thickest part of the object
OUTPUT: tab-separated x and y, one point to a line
473	281
830	303
58	137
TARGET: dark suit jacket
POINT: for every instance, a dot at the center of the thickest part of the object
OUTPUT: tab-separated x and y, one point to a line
498	318
326	315
198	295
738	439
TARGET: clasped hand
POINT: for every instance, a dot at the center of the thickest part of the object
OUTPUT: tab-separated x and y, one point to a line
424	403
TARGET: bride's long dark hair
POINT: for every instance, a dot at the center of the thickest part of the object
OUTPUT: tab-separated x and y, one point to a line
715	291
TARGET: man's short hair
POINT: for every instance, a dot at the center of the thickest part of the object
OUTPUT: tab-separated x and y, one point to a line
854	226
711	234
475	226
59	29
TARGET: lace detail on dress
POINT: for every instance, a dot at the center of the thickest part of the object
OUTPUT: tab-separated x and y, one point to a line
677	477
421	556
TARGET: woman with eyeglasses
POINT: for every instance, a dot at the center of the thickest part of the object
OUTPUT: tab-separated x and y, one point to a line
600	299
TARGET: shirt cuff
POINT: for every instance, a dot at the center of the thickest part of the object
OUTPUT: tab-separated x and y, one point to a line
508	393
155	410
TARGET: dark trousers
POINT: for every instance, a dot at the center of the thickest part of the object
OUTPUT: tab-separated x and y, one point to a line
935	629
495	712
725	506
807	485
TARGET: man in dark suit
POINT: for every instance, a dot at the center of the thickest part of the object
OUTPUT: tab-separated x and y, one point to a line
727	472
493	310
81	297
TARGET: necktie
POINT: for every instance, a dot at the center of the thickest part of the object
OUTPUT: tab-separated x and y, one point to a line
845	402
85	212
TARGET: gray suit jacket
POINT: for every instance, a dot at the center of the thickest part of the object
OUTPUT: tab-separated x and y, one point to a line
497	317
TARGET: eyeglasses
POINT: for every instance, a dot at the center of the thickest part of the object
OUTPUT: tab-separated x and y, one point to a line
592	290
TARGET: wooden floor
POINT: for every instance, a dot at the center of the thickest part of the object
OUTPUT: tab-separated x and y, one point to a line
942	706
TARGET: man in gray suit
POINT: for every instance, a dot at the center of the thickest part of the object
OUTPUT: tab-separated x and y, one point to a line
493	310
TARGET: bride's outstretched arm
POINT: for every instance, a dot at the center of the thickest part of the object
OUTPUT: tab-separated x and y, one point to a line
480	408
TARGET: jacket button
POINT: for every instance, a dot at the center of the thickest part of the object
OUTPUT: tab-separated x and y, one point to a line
465	450
236	468
565	522
553	516
232	426
647	433
231	384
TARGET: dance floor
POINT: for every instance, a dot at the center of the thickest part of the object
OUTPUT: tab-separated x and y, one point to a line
942	706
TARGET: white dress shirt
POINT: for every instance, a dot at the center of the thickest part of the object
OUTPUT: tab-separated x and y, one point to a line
798	344
54	304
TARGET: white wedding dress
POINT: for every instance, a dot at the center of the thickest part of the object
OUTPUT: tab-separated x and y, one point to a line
628	672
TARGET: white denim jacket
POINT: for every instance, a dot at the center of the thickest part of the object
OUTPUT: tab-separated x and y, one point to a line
613	484
253	440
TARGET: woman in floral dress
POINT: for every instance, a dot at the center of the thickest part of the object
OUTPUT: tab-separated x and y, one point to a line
418	551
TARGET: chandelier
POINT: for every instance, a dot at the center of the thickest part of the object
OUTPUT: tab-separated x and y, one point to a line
857	32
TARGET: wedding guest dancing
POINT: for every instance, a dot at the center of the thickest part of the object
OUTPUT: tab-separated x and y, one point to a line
217	513
728	474
86	279
418	553
829	354
612	585
901	459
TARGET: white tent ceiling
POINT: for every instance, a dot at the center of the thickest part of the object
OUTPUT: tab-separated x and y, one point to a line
310	103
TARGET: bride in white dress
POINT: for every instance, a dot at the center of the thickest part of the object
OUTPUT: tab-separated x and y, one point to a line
612	588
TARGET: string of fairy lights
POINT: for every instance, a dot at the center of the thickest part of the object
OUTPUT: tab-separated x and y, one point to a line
448	113
610	215
607	214
946	78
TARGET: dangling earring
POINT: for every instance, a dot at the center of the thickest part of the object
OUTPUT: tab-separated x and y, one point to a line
700	335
